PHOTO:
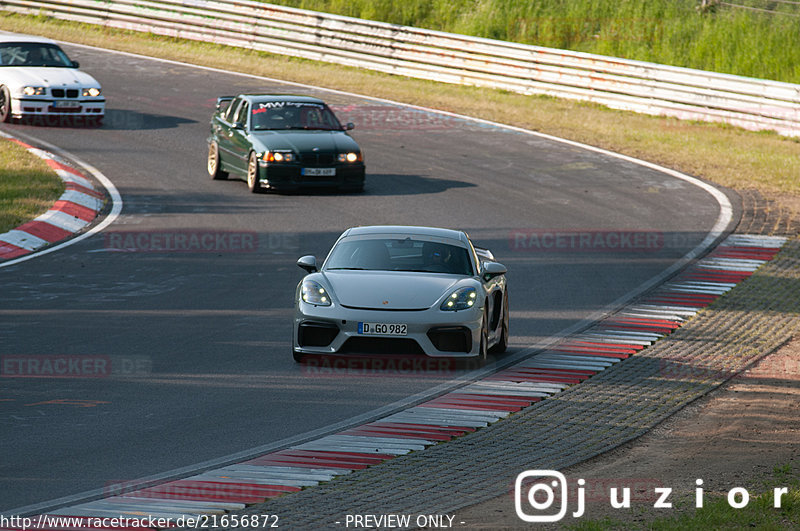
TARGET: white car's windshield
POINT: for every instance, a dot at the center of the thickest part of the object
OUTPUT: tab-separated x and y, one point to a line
405	254
278	115
33	54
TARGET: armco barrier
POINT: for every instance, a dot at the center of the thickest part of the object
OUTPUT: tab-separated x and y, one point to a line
649	88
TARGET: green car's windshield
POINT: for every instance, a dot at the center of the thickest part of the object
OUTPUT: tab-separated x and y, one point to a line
280	115
33	54
406	254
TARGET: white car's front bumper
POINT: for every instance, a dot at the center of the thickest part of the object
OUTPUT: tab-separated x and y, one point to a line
457	333
45	106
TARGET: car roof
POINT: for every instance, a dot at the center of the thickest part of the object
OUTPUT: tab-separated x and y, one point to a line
281	97
19	37
409	230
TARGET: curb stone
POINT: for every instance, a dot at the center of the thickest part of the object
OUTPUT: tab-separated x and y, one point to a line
77	207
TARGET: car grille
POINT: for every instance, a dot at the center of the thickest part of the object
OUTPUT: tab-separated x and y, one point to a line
451	339
316	159
69	93
380	345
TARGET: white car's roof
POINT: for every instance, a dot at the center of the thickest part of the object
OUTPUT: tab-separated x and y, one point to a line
408	230
19	37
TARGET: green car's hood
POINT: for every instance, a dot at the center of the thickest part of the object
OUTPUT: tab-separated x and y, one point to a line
304	141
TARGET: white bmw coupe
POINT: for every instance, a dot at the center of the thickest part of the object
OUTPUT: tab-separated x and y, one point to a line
37	79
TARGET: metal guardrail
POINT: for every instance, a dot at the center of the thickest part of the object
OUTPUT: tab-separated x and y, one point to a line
649	88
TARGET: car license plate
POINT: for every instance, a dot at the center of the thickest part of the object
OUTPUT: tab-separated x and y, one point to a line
382	329
66	104
318	172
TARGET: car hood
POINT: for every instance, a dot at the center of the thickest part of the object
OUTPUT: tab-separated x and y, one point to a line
46	76
306	141
390	290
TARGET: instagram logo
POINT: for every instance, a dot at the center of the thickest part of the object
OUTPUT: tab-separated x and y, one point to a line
549	486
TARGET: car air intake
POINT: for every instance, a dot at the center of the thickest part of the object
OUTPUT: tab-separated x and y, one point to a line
381	345
316	334
451	339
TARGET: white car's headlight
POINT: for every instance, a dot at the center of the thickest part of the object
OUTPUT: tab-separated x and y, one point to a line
33	91
460	299
313	293
92	92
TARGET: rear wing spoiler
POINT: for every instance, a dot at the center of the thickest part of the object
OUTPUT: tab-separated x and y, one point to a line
485	254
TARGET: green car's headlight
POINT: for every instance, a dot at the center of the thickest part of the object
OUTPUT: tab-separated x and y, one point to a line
33	91
460	299
278	156
349	157
313	293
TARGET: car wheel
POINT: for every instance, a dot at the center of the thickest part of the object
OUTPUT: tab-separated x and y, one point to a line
252	174
502	344
213	165
5	105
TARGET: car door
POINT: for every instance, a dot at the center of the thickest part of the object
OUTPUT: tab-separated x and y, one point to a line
222	131
239	139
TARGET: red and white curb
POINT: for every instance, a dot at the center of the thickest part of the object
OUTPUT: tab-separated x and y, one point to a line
456	413
77	207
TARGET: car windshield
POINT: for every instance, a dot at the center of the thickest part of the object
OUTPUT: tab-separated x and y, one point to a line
32	54
278	115
405	254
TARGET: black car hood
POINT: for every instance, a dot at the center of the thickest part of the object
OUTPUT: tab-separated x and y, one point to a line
305	141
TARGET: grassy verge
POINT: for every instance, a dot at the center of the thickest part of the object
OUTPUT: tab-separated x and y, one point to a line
763	44
725	155
717	513
28	187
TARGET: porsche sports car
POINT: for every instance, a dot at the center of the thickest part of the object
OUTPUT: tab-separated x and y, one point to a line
402	290
282	142
37	79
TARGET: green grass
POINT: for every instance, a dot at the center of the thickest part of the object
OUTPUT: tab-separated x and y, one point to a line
28	187
736	41
725	155
716	513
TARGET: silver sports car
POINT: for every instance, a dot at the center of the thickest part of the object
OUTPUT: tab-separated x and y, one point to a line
402	290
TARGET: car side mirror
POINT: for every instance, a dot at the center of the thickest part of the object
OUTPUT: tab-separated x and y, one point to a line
492	270
76	64
308	262
350	126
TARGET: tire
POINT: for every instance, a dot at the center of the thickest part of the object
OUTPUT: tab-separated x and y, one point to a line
213	165
252	174
502	345
5	104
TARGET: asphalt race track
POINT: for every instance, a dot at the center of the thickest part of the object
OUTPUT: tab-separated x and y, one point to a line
199	338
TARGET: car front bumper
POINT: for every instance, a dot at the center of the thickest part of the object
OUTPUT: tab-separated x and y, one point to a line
432	332
290	177
52	107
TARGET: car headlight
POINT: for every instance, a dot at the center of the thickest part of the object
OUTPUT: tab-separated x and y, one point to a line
33	91
278	156
460	299
352	156
91	92
312	293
